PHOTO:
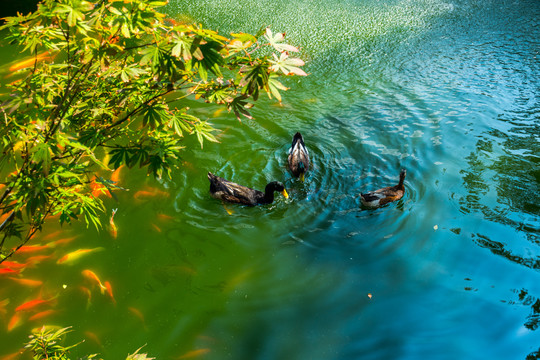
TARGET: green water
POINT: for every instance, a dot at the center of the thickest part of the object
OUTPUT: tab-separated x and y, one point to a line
446	89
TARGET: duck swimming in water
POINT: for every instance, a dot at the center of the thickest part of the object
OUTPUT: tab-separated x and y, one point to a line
298	157
234	193
385	195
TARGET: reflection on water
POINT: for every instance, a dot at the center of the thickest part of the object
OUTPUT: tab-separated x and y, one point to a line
447	90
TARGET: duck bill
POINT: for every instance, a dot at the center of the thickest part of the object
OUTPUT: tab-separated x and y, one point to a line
302	177
284	192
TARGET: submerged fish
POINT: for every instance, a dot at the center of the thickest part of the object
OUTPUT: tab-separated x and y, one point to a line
28	282
73	256
139	315
8	271
42	314
32	248
14	321
90	275
3	305
113	230
32	304
116	174
149	193
194	353
29	62
108	288
12	265
62	241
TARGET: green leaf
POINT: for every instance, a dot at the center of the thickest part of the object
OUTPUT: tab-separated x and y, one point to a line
154	115
42	153
274	86
182	47
240	106
203	130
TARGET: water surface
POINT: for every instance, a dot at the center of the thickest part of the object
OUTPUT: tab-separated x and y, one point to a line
446	89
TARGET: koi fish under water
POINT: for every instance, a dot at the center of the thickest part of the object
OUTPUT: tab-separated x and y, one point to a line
14	321
194	353
32	248
90	275
149	193
42	314
28	282
108	288
29	62
72	257
113	230
32	304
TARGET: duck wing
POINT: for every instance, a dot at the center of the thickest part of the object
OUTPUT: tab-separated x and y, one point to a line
221	188
298	158
381	196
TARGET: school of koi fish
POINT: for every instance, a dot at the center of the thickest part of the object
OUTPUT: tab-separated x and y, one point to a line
52	248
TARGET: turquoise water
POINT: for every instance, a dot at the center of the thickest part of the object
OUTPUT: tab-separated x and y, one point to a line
446	89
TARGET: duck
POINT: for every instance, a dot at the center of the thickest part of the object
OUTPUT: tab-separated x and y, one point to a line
226	190
298	158
385	195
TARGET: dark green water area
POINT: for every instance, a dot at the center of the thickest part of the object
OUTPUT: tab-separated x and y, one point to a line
448	90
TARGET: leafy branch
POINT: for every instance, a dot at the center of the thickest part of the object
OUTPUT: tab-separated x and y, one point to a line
102	84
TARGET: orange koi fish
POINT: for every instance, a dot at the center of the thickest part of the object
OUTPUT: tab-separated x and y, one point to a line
3	305
194	353
32	248
98	189
42	314
90	275
149	193
116	174
138	314
72	257
157	228
12	265
62	241
113	230
90	335
109	291
31	305
8	271
28	282
37	259
53	235
165	217
12	356
15	321
30	61
88	294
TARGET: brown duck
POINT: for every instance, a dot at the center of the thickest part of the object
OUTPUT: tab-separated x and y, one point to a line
385	195
234	193
298	158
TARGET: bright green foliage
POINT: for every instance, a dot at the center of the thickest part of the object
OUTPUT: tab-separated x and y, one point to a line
137	356
46	344
108	80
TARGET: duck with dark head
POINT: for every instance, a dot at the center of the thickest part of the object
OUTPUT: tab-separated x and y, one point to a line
385	195
298	158
231	192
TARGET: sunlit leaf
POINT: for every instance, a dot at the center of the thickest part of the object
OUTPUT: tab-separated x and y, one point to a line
287	65
274	86
276	41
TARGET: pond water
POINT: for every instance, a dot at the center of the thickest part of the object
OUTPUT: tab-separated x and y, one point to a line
448	90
